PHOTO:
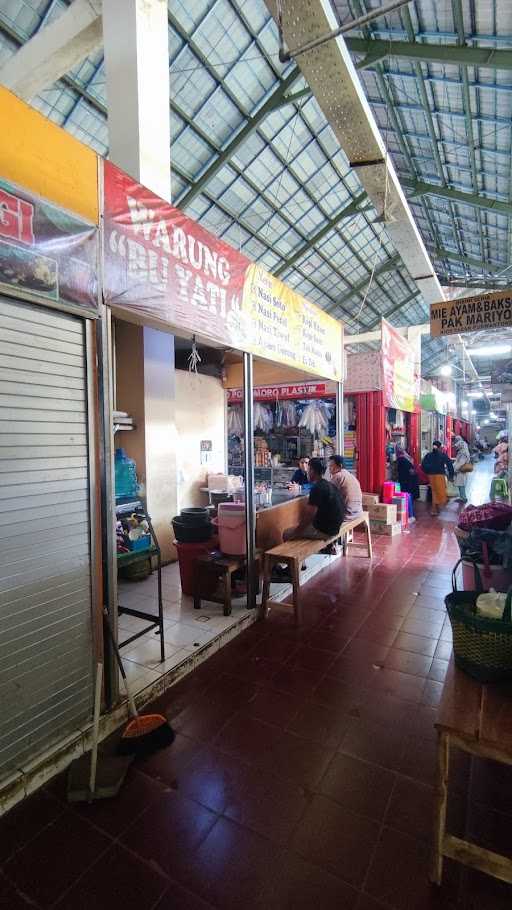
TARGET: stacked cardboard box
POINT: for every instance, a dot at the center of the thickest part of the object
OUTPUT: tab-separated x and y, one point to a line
384	519
369	499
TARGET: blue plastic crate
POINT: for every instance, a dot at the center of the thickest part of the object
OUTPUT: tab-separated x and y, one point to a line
143	543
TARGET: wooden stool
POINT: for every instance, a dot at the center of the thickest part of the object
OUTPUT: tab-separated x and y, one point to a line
222	568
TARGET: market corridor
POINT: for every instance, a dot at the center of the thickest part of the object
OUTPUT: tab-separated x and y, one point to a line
302	772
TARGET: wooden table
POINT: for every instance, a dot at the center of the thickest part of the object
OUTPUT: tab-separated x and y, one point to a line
478	719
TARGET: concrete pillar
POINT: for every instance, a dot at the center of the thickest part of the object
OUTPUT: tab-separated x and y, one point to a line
136	47
136	43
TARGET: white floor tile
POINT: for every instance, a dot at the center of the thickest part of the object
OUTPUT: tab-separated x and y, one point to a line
146	650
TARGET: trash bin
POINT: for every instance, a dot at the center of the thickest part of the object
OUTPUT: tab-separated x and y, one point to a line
187	555
231	524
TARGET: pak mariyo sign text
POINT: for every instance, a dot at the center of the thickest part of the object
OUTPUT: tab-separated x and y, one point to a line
46	254
166	266
471	314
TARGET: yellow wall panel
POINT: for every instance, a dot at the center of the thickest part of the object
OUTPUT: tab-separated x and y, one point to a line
43	158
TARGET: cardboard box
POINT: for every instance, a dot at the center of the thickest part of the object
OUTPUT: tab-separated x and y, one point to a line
370	499
389	530
383	512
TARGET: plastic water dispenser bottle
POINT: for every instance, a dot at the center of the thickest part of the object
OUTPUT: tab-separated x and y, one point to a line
125	476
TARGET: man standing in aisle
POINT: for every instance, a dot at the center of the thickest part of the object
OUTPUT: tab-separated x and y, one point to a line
348	487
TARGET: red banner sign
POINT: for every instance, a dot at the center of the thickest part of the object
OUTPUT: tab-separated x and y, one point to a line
167	267
282	392
401	380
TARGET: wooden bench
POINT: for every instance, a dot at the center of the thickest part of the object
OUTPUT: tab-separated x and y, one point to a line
294	552
478	719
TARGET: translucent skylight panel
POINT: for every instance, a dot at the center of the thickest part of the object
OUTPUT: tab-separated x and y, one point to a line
178	185
251	79
56	103
191	85
191	153
218	117
88	125
253	146
97	84
24	16
222	37
87	69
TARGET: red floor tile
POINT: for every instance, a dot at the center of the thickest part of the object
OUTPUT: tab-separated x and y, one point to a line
319	724
302	886
408	662
46	867
235	868
418	644
118	879
375	744
20	826
359	786
168	834
313	791
114	816
179	898
336	839
273	707
167	764
398	875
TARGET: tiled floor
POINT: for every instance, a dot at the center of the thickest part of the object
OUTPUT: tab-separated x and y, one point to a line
186	631
302	773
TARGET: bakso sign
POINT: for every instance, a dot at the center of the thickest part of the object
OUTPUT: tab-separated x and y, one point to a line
471	314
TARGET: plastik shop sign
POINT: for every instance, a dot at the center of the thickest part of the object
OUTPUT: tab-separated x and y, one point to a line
284	392
471	314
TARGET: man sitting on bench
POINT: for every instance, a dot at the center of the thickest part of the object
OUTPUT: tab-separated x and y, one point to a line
323	513
348	486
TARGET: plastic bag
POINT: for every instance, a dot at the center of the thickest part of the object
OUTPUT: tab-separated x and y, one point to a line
494	515
491	605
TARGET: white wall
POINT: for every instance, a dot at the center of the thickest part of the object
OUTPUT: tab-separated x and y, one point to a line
199	415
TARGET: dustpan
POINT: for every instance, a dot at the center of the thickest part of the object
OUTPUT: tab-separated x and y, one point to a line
91	777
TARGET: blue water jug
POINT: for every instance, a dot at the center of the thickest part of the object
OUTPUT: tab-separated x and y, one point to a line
125	476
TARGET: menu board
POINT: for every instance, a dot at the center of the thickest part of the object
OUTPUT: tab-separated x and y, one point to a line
169	268
288	328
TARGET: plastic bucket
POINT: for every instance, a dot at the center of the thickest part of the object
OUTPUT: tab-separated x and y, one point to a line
492	577
187	555
231	522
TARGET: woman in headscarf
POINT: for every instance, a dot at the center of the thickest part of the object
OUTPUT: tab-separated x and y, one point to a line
407	475
462	457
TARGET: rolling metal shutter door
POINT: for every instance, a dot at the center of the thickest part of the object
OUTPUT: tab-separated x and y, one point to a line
45	562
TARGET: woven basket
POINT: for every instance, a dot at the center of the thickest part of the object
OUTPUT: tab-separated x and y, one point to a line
482	647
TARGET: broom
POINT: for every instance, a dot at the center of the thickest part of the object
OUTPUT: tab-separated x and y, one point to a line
144	733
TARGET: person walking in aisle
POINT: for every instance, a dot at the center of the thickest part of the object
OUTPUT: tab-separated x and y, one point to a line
462	458
437	465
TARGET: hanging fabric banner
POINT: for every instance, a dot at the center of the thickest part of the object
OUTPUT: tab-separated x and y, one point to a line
47	254
401	379
169	269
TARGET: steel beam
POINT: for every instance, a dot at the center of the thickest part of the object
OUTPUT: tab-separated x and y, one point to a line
420	188
349	210
376	49
467	260
252	124
361	286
